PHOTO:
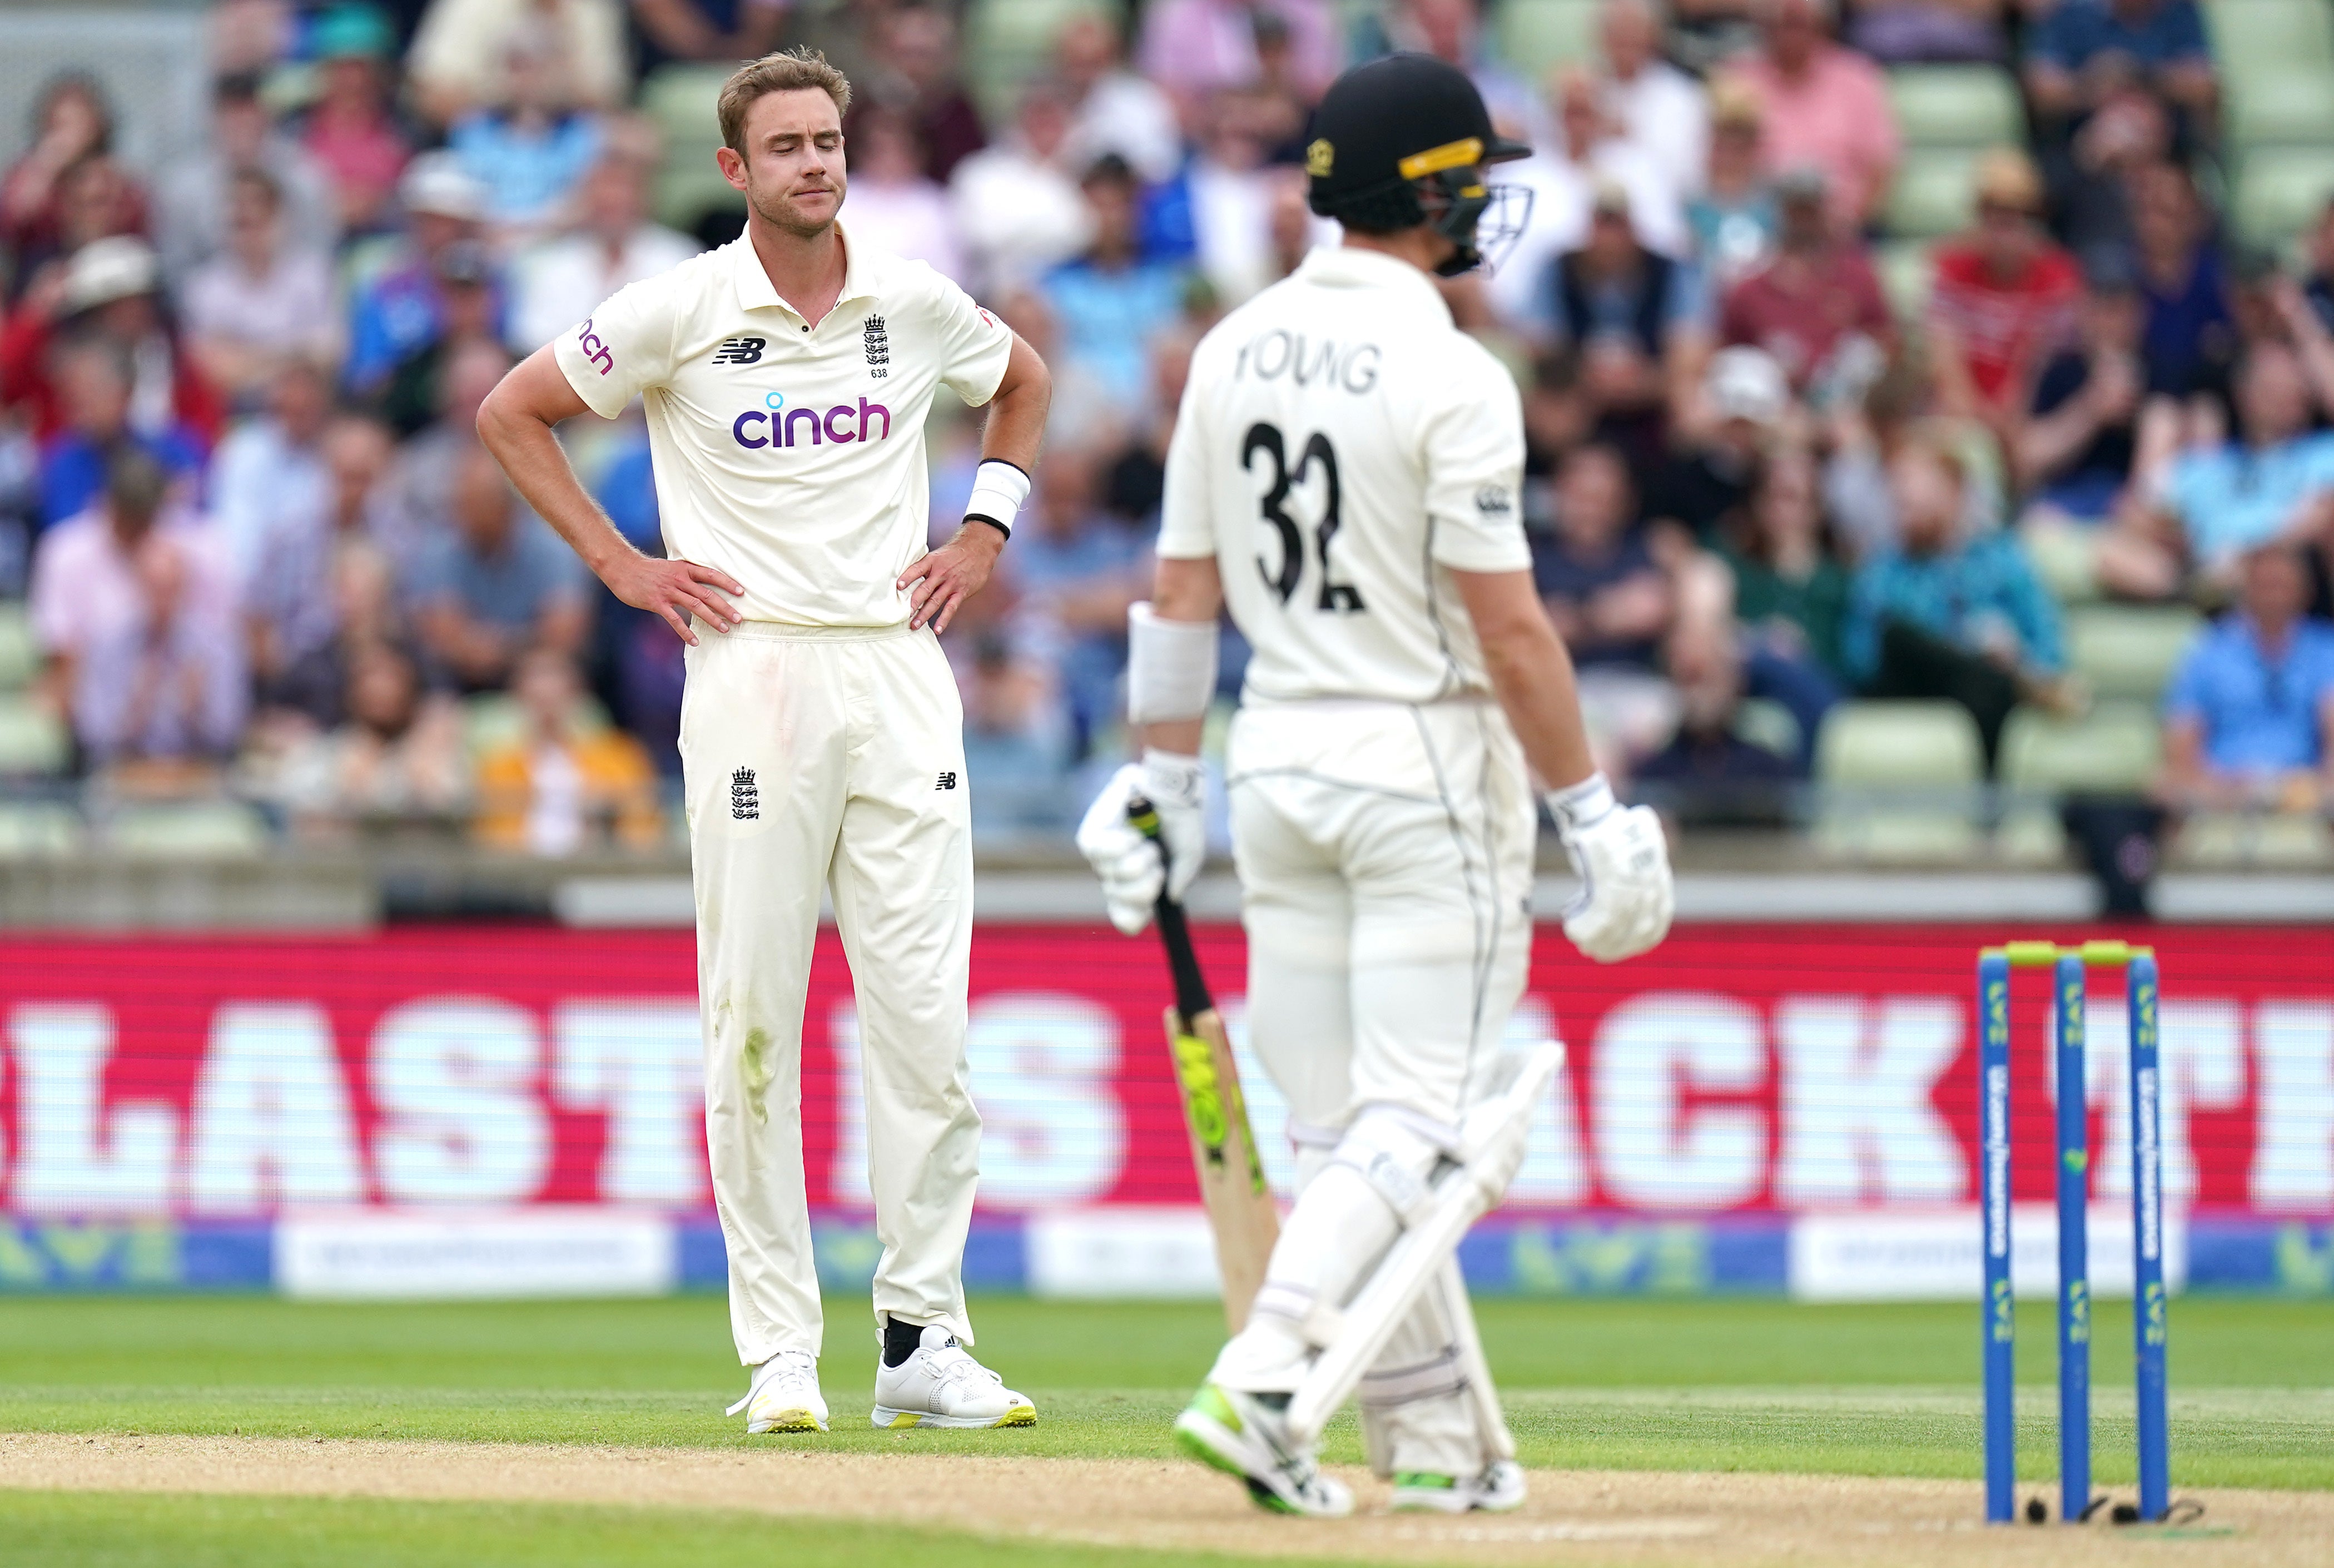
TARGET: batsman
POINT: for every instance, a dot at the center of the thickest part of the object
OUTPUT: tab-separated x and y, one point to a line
1344	478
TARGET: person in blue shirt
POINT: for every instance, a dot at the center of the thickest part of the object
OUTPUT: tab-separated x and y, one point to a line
2249	717
2273	483
93	379
530	152
2082	51
1112	301
402	310
1945	612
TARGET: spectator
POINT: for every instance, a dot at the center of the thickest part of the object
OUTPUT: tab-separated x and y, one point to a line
1790	594
1452	32
2272	482
1928	31
351	131
894	206
403	309
1112	110
2081	51
1734	220
1227	191
1744	403
399	756
2093	174
1017	742
469	312
270	486
72	134
461	56
560	787
636	663
1948	613
498	585
111	290
1558	418
918	77
196	222
323	586
1564	180
95	384
1075	578
1018	210
531	146
1134	481
2319	287
423	479
2004	300
1111	301
2076	455
1816	307
1611	604
2190	338
561	281
1639	321
1192	47
136	613
1659	108
1709	775
2249	717
707	32
262	298
1826	106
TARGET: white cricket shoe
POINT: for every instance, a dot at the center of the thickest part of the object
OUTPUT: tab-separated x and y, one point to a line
941	1385
785	1396
1246	1438
1498	1490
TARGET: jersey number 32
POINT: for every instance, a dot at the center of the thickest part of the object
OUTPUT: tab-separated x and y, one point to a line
1265	440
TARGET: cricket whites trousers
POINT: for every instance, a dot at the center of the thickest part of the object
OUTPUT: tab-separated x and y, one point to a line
832	758
1385	863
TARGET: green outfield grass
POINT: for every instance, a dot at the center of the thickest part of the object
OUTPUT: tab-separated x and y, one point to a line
1725	1384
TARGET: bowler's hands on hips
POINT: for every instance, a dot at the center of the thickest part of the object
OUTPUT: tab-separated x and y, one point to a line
675	590
939	582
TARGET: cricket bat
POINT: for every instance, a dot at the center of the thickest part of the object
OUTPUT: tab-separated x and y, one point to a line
1224	1150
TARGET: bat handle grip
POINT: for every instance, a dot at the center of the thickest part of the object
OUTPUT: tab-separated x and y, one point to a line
1192	995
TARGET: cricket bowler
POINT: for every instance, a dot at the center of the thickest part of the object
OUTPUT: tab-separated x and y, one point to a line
787	377
1344	477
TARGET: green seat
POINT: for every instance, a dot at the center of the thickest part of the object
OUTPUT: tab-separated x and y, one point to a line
1769	726
2128	651
2242	840
1008	41
20	655
32	741
1905	268
1957	106
2281	191
2287	106
1933	194
2248	34
195	831
1900	781
2114	749
681	100
1536	36
38	829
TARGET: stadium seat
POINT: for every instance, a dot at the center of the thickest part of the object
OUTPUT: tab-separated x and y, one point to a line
2114	749
20	655
688	185
1901	782
2247	33
1904	270
2281	191
2232	838
196	831
2286	106
1933	193
38	829
2129	651
1536	35
1008	41
32	741
1957	106
1769	726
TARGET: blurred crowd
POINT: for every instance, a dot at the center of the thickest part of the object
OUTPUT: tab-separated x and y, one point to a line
260	543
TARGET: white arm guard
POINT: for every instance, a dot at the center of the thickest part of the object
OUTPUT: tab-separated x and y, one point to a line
1170	667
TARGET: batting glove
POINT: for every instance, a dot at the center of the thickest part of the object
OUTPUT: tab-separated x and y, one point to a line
1129	863
1626	898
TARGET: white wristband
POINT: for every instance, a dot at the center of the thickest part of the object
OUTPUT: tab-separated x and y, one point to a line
998	489
1577	805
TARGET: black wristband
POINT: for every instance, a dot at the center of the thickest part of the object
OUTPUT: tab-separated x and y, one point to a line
992	522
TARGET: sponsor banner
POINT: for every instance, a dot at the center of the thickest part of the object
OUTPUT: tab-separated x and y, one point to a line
1940	1256
547	1250
1738	1070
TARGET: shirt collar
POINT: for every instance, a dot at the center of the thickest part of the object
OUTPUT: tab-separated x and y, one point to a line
861	271
1348	267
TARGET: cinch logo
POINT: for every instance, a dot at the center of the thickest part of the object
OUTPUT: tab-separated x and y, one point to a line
595	349
776	425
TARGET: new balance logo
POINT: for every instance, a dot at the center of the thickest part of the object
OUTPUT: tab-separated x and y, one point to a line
745	801
740	351
947	782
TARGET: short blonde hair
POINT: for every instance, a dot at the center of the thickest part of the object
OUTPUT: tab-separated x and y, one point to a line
786	71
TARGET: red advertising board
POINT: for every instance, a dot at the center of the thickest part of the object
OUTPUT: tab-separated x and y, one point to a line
1738	1067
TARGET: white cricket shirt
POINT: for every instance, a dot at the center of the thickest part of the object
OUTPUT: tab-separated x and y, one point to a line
1341	448
789	455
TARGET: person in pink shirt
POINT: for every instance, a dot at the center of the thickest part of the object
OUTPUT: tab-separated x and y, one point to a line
1193	47
352	131
1826	106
